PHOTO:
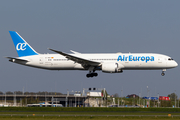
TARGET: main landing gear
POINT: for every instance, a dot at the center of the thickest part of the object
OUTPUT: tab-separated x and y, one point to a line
91	75
91	72
163	72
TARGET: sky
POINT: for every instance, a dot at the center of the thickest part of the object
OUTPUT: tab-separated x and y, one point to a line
91	26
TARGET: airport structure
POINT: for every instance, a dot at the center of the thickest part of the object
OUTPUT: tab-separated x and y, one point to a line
49	99
89	97
23	99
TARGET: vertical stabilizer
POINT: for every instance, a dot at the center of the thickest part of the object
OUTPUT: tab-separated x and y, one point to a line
21	46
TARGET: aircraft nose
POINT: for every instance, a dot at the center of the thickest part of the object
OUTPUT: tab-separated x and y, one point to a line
176	64
172	64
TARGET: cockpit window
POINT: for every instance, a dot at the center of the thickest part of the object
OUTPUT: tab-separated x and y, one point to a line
170	59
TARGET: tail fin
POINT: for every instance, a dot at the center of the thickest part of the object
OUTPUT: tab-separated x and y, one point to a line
21	46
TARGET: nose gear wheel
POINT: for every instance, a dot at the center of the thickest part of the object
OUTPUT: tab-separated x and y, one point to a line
163	72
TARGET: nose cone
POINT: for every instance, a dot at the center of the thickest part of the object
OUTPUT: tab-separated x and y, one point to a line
175	64
171	64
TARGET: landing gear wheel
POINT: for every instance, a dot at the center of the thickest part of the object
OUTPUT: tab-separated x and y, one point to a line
91	75
162	73
95	74
87	75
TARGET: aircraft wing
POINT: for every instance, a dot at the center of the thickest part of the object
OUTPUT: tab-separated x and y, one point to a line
79	60
16	59
75	52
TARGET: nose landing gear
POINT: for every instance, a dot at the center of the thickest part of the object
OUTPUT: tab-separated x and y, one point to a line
163	72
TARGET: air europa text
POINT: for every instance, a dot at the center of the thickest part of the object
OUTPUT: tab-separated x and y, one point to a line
135	58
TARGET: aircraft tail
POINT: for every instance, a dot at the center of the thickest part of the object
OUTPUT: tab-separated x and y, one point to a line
21	46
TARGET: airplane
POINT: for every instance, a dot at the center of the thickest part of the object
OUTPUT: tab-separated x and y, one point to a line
105	62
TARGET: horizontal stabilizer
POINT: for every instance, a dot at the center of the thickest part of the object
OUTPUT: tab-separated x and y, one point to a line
16	59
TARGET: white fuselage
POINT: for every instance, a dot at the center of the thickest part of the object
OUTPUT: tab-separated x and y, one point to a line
129	61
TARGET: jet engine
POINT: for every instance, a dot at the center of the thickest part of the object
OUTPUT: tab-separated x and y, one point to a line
112	67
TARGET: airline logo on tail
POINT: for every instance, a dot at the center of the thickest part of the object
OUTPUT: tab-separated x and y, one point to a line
21	46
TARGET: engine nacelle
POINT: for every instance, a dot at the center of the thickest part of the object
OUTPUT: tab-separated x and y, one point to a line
112	67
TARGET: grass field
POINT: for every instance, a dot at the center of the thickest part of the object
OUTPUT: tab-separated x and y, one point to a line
86	109
88	113
84	118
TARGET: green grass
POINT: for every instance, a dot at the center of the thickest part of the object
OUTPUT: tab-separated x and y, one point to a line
14	113
85	118
88	113
88	109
